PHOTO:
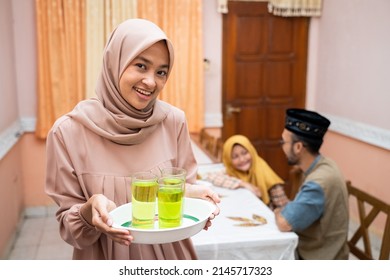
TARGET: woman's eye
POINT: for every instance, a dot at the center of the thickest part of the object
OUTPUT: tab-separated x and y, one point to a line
140	65
162	73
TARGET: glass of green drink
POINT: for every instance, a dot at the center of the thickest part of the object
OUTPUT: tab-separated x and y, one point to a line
170	197
144	188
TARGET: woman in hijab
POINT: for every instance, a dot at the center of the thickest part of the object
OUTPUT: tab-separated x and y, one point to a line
244	168
92	150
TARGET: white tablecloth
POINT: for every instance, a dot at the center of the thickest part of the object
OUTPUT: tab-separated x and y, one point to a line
225	240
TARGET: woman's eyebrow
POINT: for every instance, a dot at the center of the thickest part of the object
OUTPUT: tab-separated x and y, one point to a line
148	61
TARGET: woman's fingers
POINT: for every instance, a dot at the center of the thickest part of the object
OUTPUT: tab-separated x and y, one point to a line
121	236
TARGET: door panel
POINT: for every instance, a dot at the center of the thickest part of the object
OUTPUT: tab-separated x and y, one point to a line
264	73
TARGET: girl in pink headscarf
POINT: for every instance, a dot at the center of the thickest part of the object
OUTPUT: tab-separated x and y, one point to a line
92	150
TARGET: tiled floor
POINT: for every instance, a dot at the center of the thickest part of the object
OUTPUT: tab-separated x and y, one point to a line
38	237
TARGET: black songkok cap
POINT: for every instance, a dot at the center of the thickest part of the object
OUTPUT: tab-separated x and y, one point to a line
308	124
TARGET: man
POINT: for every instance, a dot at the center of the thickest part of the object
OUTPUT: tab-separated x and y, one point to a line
319	212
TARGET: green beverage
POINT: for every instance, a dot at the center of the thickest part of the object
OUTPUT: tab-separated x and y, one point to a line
143	203
170	202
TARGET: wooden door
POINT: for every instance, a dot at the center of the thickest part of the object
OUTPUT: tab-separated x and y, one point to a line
264	72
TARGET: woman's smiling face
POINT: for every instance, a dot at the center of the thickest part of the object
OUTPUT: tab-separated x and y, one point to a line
145	76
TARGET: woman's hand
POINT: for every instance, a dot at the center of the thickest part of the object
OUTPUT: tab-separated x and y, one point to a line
204	192
96	212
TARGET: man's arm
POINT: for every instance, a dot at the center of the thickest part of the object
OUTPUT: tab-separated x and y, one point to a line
281	222
303	211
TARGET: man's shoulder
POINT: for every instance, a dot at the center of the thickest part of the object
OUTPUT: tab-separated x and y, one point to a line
327	165
326	173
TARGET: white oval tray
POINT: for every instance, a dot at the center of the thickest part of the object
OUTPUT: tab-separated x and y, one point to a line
195	215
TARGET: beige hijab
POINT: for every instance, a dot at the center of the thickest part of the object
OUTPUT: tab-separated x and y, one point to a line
109	115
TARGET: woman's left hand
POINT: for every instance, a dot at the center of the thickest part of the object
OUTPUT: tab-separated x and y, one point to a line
204	192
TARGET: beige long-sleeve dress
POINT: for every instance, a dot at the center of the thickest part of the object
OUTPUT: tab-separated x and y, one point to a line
81	163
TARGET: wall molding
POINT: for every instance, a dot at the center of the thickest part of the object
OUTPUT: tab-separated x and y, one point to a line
28	124
363	132
10	136
366	133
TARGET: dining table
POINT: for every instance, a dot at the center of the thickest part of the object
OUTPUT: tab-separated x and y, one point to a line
245	229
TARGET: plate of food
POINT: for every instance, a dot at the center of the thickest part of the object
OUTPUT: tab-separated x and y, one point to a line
195	215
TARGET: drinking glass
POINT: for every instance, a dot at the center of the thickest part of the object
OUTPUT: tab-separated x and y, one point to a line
144	188
170	197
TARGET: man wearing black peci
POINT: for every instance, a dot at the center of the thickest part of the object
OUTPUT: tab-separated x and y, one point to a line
319	211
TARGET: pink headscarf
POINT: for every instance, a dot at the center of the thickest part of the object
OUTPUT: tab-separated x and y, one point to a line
110	116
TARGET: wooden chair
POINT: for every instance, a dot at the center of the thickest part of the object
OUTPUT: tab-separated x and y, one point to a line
202	136
218	150
208	143
375	206
293	182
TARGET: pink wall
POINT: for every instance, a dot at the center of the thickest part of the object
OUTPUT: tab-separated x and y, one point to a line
366	166
33	166
11	196
11	185
22	175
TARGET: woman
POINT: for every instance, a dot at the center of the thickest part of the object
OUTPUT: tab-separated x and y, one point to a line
244	168
93	150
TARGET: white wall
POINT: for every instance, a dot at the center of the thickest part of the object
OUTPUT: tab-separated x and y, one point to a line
212	41
8	94
25	56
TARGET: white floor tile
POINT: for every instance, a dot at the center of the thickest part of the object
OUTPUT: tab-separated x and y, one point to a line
23	253
56	251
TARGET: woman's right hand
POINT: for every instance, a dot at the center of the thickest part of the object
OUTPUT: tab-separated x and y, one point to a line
96	212
206	193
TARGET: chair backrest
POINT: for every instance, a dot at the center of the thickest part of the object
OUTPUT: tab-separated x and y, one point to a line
373	206
294	181
218	150
207	142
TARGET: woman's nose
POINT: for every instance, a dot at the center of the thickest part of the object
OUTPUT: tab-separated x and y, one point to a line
241	158
149	80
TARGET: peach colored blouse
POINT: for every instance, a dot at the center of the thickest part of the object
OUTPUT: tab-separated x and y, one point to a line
81	163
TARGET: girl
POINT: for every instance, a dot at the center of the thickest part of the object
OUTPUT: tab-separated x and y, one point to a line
244	168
